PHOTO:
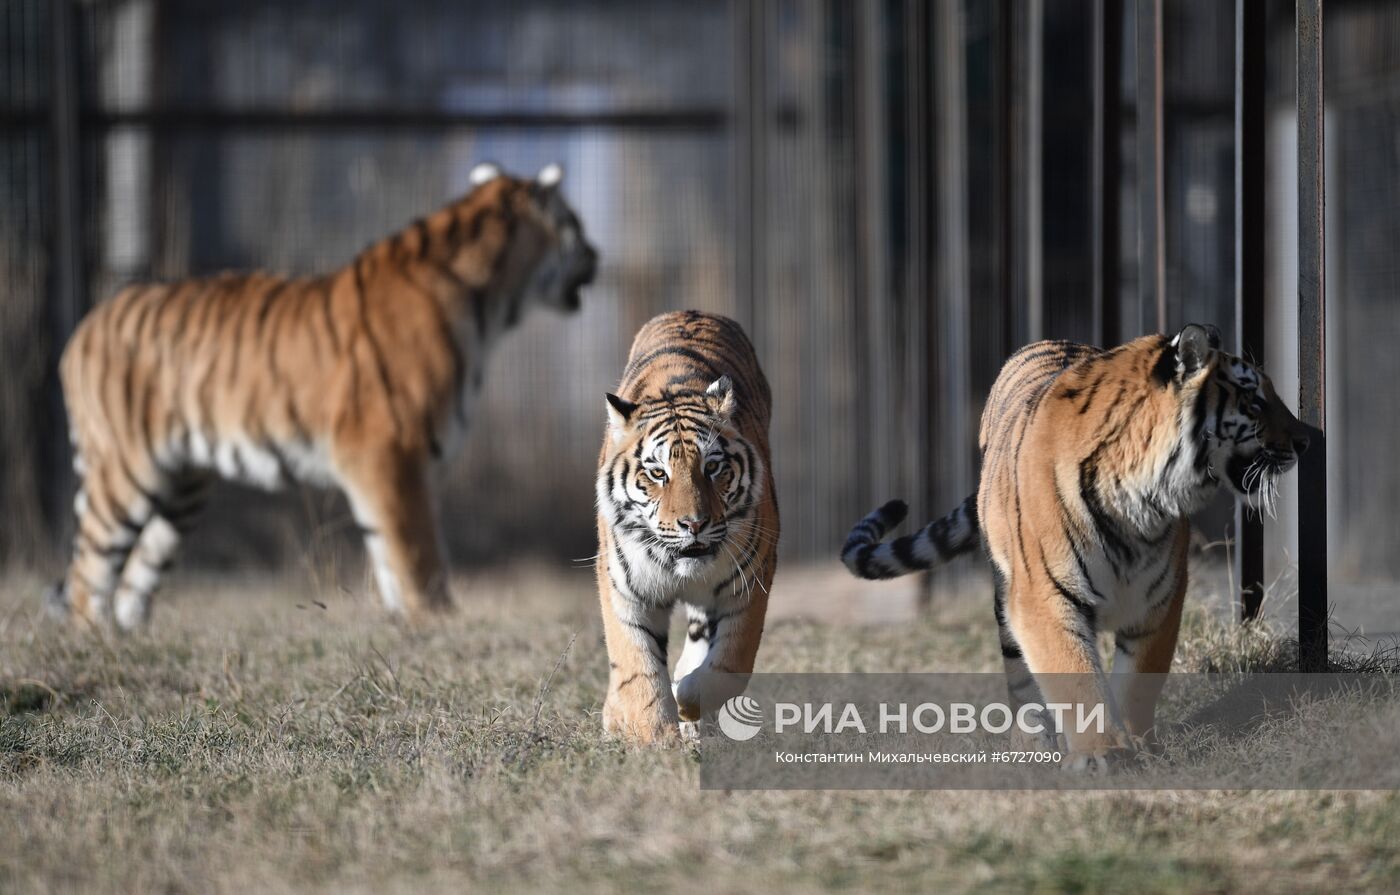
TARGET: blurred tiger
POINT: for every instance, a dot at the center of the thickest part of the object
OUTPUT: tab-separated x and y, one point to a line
1091	461
360	378
687	513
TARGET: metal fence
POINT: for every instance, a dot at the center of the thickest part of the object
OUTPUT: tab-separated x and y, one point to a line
891	196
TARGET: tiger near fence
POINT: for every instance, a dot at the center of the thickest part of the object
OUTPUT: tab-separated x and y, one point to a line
687	513
361	378
1091	461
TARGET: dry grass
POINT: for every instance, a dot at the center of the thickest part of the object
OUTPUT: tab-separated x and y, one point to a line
254	740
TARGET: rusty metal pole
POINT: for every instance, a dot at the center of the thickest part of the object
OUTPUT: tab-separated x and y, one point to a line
1312	344
1152	258
1249	263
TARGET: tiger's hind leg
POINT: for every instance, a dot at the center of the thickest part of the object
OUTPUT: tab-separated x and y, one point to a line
155	552
391	498
1056	633
1021	687
111	510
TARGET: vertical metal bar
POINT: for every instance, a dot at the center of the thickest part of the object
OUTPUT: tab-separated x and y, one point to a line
923	422
1312	392
69	262
1107	168
1034	137
1152	264
955	316
69	267
1249	262
750	95
1004	147
872	243
922	244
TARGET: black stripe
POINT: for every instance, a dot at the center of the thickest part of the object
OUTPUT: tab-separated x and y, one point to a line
660	639
1084	607
903	550
376	351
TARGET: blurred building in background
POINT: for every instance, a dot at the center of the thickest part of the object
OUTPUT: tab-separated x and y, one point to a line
891	196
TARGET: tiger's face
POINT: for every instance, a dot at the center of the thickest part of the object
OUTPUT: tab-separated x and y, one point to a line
1250	436
678	475
554	247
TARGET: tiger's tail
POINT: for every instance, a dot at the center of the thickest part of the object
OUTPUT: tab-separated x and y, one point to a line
939	541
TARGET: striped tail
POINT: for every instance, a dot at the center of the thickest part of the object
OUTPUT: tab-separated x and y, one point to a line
939	541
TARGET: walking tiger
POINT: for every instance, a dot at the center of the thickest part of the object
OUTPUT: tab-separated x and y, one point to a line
1091	461
687	513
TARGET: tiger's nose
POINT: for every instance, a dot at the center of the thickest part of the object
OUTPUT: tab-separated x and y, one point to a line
1300	435
692	524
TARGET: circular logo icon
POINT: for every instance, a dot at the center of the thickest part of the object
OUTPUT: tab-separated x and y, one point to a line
741	718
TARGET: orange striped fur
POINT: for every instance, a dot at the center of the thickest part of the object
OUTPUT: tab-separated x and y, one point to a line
1091	461
687	513
360	379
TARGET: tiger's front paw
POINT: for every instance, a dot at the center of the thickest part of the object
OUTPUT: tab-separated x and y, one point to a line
641	724
701	693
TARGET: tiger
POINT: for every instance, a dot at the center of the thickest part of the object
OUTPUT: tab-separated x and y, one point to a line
362	379
687	513
1091	461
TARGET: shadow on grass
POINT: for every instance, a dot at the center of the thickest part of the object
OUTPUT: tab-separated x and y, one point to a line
26	696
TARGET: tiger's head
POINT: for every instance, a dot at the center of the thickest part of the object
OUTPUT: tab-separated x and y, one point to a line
678	473
1247	435
550	245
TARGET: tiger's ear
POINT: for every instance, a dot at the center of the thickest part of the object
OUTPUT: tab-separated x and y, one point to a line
1195	347
550	176
620	413
720	397
484	173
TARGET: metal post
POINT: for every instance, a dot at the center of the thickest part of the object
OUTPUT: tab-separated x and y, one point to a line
750	105
1107	167
872	241
69	264
1034	136
1152	264
1249	263
1312	410
922	423
955	315
1005	145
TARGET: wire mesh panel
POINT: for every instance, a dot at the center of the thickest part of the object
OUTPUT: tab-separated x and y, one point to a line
25	225
787	162
274	135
